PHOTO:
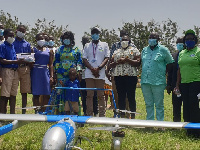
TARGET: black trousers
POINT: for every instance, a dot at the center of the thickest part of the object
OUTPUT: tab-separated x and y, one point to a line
84	95
191	111
177	103
126	86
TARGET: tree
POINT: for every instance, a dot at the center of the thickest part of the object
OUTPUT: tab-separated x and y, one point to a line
8	22
139	32
40	26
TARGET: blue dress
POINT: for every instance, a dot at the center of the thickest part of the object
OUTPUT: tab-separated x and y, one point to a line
40	78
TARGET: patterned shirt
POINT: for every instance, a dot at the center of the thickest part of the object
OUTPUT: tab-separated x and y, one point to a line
154	64
125	69
66	58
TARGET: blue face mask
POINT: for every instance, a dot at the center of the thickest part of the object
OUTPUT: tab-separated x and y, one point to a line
66	41
180	46
46	43
152	42
51	43
1	32
95	37
190	44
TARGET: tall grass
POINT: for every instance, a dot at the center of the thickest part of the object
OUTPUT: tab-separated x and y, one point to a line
30	136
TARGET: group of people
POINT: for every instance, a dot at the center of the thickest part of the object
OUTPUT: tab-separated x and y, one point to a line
34	78
68	66
181	68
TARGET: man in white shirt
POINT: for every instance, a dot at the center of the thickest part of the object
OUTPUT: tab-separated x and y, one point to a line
95	57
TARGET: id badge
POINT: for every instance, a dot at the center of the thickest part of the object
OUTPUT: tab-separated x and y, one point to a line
93	61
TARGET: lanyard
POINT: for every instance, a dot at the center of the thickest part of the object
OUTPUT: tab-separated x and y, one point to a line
94	50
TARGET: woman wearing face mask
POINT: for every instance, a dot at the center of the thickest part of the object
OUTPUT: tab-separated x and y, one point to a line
46	38
188	78
67	56
124	63
41	75
154	57
52	44
171	81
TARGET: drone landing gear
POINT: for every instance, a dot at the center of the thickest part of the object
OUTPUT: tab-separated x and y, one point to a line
117	139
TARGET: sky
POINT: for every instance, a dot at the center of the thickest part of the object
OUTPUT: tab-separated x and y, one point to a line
81	15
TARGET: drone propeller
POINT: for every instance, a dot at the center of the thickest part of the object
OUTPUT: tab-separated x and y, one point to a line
39	107
127	111
33	107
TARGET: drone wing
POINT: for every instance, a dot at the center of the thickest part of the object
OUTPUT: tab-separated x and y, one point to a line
11	126
100	120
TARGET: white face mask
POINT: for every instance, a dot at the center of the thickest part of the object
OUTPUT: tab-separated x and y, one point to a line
124	44
20	34
41	43
10	40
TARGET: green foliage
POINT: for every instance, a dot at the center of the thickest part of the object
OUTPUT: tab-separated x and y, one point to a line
139	32
8	22
41	26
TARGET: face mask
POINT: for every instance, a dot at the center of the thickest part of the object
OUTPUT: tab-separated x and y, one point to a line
95	37
41	43
152	42
20	34
1	32
46	43
120	38
66	41
189	44
51	43
10	40
180	46
124	44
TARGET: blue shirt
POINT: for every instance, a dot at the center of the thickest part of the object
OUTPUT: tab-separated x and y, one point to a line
22	46
7	51
154	64
72	95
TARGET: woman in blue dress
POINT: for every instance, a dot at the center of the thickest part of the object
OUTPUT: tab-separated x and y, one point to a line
67	56
42	71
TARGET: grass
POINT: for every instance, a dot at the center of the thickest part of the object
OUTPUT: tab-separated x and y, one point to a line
30	136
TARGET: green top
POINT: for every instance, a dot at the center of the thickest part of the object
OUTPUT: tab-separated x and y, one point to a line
189	64
154	64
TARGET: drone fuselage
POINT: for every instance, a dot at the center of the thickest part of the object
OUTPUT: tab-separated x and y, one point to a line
60	136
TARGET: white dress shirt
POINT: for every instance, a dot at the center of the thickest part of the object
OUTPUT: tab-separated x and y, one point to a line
95	54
